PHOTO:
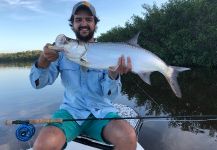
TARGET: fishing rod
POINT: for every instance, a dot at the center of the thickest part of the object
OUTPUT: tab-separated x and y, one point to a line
171	118
26	129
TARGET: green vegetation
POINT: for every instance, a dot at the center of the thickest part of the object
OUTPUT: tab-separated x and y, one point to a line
19	57
181	32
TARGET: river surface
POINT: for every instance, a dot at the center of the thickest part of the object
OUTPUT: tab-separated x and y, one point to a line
18	100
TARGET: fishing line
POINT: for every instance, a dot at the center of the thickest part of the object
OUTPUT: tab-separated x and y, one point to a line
149	96
148	118
192	120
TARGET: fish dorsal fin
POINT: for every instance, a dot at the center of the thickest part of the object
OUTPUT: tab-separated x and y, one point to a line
145	77
133	41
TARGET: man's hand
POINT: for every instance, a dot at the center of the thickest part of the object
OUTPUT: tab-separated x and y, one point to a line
47	56
121	68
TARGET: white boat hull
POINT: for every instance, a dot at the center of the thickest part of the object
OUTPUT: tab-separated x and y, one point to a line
75	145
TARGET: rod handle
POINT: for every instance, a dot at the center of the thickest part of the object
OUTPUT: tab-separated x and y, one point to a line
33	121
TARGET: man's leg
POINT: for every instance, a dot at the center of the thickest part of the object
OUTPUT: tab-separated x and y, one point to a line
121	134
50	138
55	135
117	132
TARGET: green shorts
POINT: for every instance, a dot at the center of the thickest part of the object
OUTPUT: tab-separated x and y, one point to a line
91	128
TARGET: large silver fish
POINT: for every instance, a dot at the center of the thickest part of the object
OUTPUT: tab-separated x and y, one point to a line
102	55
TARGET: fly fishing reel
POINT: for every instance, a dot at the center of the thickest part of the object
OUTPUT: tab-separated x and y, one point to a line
25	132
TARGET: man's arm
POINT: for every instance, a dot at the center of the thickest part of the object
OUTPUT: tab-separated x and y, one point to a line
44	72
111	85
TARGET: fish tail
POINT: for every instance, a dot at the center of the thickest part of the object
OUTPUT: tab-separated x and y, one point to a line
171	76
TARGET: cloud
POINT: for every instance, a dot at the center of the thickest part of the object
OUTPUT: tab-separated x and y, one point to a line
20	2
28	9
32	5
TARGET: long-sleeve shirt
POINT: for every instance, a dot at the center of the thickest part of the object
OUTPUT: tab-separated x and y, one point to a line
86	90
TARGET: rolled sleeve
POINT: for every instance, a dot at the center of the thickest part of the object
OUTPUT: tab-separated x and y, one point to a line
40	77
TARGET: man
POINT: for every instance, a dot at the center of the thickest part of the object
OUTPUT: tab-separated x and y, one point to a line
88	92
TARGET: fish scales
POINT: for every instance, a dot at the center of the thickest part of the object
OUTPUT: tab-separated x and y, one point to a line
104	55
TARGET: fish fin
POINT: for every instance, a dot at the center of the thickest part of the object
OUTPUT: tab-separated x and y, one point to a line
114	68
171	77
180	69
145	77
134	41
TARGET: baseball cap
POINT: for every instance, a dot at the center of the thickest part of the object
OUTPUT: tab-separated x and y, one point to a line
87	5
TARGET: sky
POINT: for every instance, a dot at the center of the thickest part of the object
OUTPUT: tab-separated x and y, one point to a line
30	24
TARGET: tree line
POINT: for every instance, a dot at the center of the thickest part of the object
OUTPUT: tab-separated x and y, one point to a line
181	32
19	57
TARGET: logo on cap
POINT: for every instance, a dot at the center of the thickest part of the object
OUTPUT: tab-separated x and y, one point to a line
86	3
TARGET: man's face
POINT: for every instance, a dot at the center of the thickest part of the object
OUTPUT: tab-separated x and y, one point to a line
84	25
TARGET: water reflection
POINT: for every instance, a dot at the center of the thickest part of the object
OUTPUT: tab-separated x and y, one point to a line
157	136
199	97
19	101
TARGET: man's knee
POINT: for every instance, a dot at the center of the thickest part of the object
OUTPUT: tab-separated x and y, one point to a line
50	138
132	138
128	136
126	140
121	134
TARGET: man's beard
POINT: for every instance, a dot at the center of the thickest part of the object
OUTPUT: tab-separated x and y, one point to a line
84	38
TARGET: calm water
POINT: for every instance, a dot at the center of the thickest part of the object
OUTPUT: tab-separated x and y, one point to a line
199	87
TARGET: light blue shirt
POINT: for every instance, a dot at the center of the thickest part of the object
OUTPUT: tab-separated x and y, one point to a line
86	90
